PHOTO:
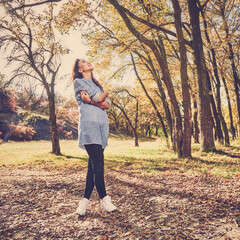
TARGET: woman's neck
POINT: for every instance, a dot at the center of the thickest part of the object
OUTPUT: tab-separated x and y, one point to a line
87	75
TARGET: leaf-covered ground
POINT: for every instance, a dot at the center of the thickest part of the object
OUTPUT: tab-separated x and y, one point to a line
41	204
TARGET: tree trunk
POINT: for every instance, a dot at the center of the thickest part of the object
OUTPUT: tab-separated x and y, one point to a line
218	129
52	118
217	85
205	115
225	130
187	132
150	132
166	108
156	130
53	127
135	129
174	134
147	130
232	129
195	123
162	60
136	137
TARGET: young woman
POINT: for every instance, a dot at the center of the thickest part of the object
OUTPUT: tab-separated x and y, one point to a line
93	131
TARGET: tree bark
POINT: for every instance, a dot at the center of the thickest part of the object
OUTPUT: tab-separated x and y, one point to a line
195	123
187	132
53	128
53	122
205	115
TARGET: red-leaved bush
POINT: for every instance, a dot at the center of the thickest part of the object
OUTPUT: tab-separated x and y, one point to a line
20	132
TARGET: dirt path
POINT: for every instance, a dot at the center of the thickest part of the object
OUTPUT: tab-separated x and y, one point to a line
41	204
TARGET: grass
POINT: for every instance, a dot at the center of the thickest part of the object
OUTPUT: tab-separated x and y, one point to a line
151	158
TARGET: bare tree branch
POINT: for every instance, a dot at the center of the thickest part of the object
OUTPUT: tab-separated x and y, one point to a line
33	4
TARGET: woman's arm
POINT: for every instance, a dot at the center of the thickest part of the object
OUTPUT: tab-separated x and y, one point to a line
85	97
99	97
102	96
103	105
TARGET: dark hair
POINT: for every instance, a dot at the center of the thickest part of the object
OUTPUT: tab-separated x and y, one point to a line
77	74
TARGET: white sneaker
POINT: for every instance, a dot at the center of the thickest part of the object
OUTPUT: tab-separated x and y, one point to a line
107	205
82	208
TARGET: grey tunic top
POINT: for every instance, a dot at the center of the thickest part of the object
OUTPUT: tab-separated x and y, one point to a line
93	125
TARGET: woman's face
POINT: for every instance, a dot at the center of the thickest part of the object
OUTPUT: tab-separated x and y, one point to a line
84	66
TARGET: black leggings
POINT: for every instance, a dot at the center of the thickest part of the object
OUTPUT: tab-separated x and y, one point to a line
95	173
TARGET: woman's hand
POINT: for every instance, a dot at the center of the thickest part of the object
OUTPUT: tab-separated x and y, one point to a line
85	96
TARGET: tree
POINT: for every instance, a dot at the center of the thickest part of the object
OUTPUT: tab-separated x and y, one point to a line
121	100
205	114
222	21
187	132
114	115
223	8
150	99
35	53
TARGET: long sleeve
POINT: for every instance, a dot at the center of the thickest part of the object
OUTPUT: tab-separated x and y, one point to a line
85	85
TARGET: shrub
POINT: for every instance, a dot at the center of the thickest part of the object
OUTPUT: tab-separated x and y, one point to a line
63	131
7	100
20	132
68	112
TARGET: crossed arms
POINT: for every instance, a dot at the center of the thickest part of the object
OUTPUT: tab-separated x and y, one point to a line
101	101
